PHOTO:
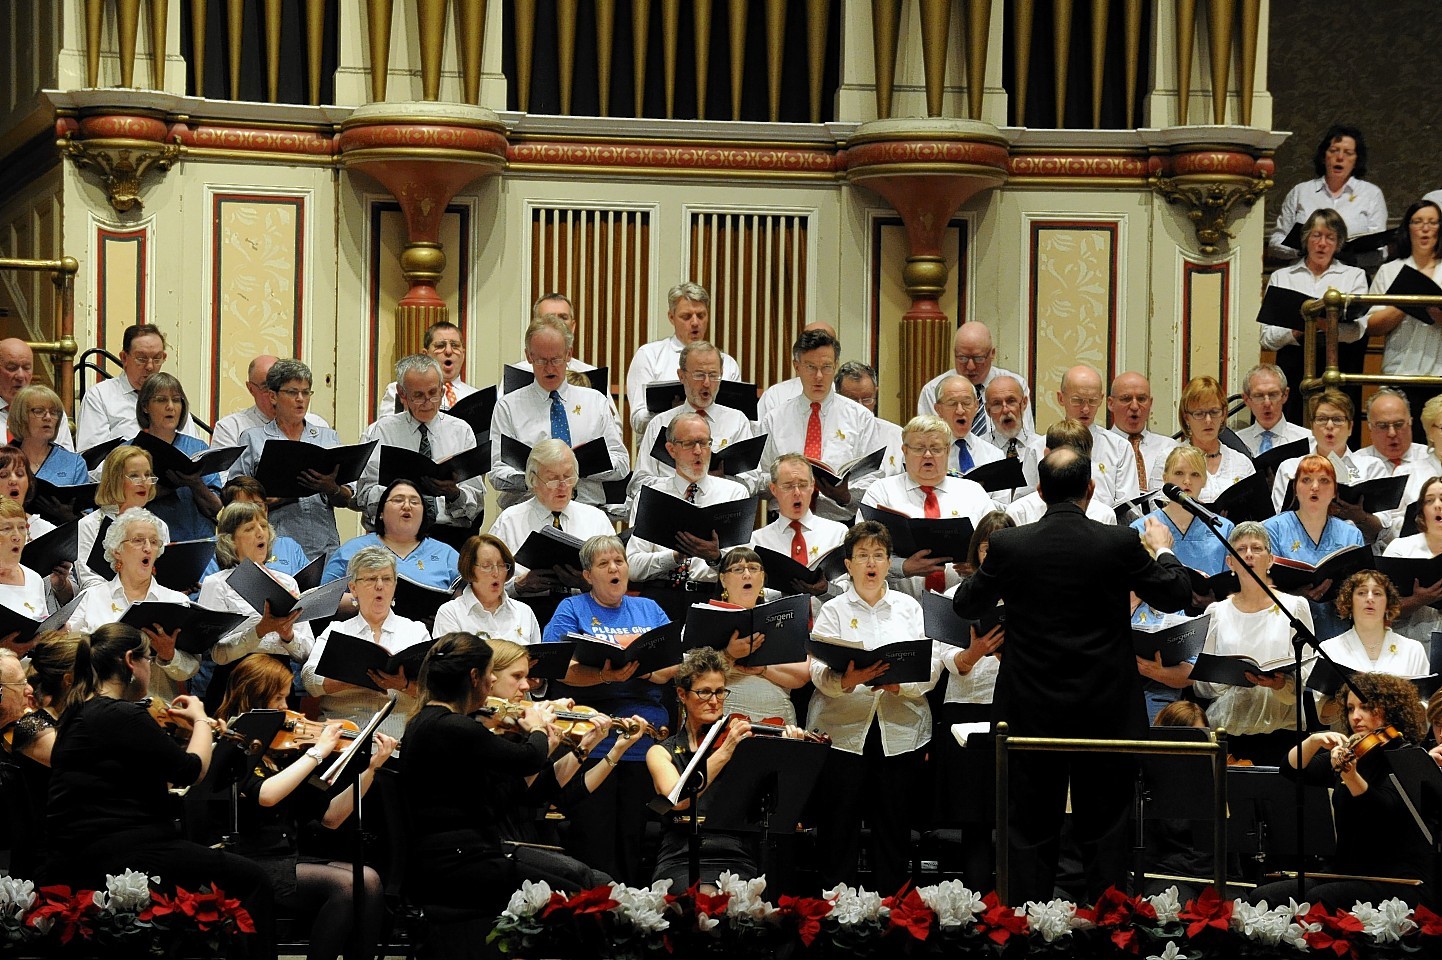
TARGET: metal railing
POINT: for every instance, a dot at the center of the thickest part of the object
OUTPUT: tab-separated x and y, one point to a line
1329	310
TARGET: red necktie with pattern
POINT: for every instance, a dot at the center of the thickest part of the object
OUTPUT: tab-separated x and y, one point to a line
813	433
450	395
931	508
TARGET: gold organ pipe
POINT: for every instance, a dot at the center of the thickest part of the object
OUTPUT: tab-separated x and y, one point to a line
736	30
1186	34
197	44
235	23
378	24
885	27
272	50
566	50
314	47
935	31
127	28
978	33
431	19
605	46
775	53
640	41
817	16
1220	14
94	12
525	50
701	47
1251	22
1099	57
1134	52
159	21
670	37
1025	15
1061	55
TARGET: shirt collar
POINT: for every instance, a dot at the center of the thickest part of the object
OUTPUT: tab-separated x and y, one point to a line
854	597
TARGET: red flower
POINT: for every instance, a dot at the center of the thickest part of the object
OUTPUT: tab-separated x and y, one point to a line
1209	911
595	900
807	912
1117	912
910	912
711	906
1428	923
1336	930
999	922
68	910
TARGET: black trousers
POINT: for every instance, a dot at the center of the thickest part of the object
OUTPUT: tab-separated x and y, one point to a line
608	830
876	788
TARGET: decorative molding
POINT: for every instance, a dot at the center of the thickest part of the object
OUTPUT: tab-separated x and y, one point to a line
121	165
105	237
638	158
1083	169
1192	269
1076	349
1210	181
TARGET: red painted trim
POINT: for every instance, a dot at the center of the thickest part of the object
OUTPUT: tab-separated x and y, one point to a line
1111	229
104	237
1190	270
958	224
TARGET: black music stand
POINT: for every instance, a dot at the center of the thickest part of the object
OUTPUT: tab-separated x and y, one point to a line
766	780
1174	788
1262	804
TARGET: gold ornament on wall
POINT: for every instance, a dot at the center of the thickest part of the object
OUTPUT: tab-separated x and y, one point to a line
1210	204
121	169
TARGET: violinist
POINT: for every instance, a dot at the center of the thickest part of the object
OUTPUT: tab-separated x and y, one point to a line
701	689
1377	839
52	662
108	809
275	801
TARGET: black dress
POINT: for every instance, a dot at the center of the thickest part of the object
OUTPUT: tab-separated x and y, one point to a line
721	850
26	812
270	835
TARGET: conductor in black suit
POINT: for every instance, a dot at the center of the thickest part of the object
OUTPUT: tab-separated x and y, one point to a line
1068	670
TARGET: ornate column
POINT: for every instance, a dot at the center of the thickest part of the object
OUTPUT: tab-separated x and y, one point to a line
926	169
423	153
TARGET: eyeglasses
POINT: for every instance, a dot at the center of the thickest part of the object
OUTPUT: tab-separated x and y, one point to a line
143	541
1390	426
404	502
42	414
1131	398
384	579
295	393
972	360
704	377
796	486
825	370
561	484
1321	420
549	362
721	694
142	361
1000	403
424	399
690	444
881	558
969	403
490	567
751	568
444	345
144	478
925	451
18	684
1271	396
1084	403
1215	413
1418	222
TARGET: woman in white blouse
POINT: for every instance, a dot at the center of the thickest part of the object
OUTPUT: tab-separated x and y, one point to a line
1412	347
485	609
21	589
1258	718
1418	617
877	732
1371	602
128	482
1203	413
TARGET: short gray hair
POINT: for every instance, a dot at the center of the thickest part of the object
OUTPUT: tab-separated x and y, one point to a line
791	458
549	322
369	558
421	363
1388	392
119	531
1250	530
1271	368
687	291
600	544
284	371
689	416
549	453
695	347
855	370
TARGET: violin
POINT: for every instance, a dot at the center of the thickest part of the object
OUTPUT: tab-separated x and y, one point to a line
776	727
297	732
573	723
159	710
1360	744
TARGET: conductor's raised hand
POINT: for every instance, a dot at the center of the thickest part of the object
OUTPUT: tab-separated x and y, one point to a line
1156	535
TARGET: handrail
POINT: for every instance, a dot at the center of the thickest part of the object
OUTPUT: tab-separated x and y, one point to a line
1215	746
1328	310
62	274
83	364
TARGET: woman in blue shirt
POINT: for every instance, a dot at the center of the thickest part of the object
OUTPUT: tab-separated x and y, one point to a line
1193	543
187	503
35	417
402	520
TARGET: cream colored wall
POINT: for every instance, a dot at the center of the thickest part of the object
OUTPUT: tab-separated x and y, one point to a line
30	228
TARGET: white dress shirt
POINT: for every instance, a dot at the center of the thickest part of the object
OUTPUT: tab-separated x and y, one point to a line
107	603
449	436
775	395
1299	277
28	598
1265	636
821	535
1400	656
387	404
848	432
229	429
728	425
1283	431
649	561
1155	447
905	717
216	593
657	361
1361	205
1417	472
519	521
1029	509
512	620
359	704
1413	347
1113	456
890	434
926	400
525	415
108	411
955	496
1422	622
1415	453
1232	466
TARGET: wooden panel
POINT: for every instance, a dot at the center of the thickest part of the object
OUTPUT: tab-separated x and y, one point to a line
1206	320
120	275
1072	305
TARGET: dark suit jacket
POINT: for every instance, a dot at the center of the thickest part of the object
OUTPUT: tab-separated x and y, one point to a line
1067	666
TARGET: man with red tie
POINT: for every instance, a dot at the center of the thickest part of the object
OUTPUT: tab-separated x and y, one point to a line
925	490
798	532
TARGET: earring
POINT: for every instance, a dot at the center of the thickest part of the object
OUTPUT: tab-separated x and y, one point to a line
724	594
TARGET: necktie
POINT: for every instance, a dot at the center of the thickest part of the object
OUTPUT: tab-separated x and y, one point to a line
813	433
1136	439
425	448
1395	461
683	569
560	427
980	425
963	457
450	395
1266	444
798	543
703	414
931	508
1011	448
556	519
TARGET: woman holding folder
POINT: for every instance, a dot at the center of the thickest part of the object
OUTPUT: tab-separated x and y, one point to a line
21	589
187	502
1412	347
402	520
484	608
1418	618
1371	602
132	545
127	482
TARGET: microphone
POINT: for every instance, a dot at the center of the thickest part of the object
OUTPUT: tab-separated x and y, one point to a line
1188	503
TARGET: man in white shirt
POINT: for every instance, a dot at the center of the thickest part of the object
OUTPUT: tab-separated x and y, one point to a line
108	410
688	307
17	371
822	426
443	341
1064	435
1130	404
975	356
1264	389
1389	423
957	405
1080	397
797	532
423	428
700	376
1005	404
857	381
550	408
556	305
229	429
689	563
779	393
926	490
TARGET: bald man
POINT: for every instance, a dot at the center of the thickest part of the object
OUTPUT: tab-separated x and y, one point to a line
228	429
1080	398
975	355
17	369
778	393
1130	404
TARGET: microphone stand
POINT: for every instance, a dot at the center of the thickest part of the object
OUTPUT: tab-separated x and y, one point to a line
1302	637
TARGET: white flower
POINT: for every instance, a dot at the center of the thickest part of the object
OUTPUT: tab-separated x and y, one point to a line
1166	904
528	901
745	896
1052	920
952	902
17	897
852	905
1388	922
127	893
705	924
643	907
1268	927
1170	953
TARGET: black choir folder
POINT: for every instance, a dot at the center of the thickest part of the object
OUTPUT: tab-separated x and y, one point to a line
1375	495
1363	243
51	549
257	587
61	504
1267	463
1406	572
167	457
592	457
547	548
551	659
26	628
939	615
514	378
1177	643
283	461
736	394
399	463
1330	677
850	470
656	649
183	563
200	628
1282	307
1218	586
660	516
999	475
731	460
1233	670
1250	498
781	569
476	410
782	622
943	536
349	659
1411	282
420	601
910	659
95	456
